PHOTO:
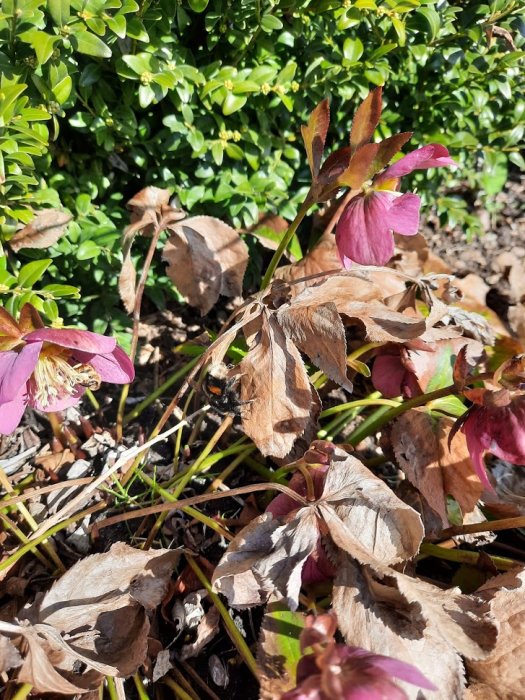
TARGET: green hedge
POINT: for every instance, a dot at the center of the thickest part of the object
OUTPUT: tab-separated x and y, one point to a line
102	97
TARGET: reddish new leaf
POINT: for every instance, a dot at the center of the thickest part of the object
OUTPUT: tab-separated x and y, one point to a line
314	135
46	228
360	167
366	119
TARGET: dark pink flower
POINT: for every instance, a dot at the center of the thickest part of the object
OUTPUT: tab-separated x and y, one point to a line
339	672
393	375
50	368
365	230
495	424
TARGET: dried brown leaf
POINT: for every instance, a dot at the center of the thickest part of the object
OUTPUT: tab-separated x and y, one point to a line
207	628
206	258
317	330
39	670
420	443
45	229
502	674
9	655
96	612
322	258
390	613
276	387
358	511
127	282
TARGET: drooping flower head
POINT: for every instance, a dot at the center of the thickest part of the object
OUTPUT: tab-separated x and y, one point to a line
50	368
496	421
338	672
365	230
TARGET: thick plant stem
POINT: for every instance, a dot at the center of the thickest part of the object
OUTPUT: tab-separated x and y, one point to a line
285	242
463	557
136	320
383	417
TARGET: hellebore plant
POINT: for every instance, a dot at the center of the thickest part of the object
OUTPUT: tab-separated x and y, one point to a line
50	368
375	208
339	672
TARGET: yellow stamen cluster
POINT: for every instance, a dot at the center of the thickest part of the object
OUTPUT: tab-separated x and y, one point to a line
55	377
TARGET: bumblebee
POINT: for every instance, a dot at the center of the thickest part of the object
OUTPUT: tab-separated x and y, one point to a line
221	389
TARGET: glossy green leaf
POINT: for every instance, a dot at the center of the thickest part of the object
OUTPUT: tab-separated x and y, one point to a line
91	45
32	272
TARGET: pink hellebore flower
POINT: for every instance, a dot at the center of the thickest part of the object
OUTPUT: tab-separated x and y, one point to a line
495	424
339	672
364	232
50	368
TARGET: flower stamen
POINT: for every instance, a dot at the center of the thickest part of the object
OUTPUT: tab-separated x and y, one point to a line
55	377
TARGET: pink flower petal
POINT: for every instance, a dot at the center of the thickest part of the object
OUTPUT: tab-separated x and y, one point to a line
403	671
11	412
432	156
15	370
60	403
115	367
75	339
363	233
403	215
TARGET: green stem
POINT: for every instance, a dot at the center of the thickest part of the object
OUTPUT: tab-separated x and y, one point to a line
30	546
285	242
22	692
358	403
382	417
464	557
233	631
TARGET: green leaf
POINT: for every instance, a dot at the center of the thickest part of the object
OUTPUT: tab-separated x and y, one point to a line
87	250
41	42
399	26
198	5
89	44
62	290
232	103
450	405
50	309
59	11
63	89
269	23
32	272
279	647
217	152
353	49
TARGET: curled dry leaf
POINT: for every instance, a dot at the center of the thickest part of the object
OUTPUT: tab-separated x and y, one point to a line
95	613
358	511
502	674
276	388
146	210
393	614
46	228
420	443
206	258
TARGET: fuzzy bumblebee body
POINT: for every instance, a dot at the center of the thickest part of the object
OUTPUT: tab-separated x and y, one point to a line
221	390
